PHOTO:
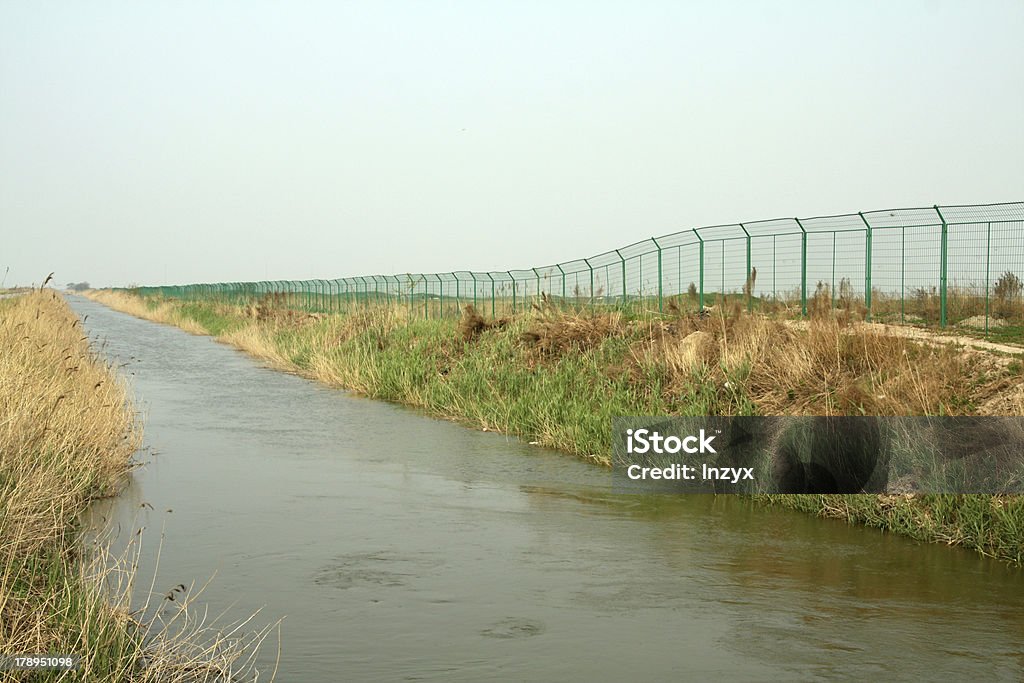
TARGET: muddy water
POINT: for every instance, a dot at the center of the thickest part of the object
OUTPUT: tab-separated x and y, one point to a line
399	547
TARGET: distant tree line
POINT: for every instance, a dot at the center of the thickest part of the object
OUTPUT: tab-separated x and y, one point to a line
77	286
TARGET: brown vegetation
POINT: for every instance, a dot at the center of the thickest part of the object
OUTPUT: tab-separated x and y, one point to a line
162	312
554	331
67	436
274	308
472	324
830	365
67	433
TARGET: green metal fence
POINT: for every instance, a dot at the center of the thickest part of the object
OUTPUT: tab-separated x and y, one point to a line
940	266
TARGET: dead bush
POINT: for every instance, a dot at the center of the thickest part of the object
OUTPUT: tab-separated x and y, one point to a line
473	324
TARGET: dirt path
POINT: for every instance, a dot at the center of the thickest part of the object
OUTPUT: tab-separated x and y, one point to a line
945	338
932	337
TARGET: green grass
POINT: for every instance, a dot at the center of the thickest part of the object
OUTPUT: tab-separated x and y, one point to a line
990	525
566	403
211	317
1005	334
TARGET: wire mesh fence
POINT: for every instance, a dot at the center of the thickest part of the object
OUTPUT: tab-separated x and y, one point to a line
936	266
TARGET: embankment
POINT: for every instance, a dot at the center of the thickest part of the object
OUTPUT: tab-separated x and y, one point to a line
557	379
67	436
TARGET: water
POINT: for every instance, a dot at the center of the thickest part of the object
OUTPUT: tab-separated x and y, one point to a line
399	547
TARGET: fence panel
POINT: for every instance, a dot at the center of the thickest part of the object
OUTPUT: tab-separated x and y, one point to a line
959	265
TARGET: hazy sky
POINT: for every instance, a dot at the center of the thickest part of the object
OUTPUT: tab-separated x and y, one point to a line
173	142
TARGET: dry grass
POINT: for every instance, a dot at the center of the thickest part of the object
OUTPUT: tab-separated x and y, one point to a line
68	430
162	312
276	309
472	324
825	369
67	436
831	365
257	341
67	433
553	332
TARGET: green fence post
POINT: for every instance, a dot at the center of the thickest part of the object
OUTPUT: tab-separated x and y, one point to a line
661	300
721	297
559	266
803	267
587	261
511	277
748	285
640	278
426	298
538	285
473	275
411	288
832	285
700	298
679	271
943	266
903	274
988	256
775	284
867	265
492	293
623	262
458	292
440	294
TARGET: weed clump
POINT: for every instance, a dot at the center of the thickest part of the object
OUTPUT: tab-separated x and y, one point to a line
555	332
275	308
472	324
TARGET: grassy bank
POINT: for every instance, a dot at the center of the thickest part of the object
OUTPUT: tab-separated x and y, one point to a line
67	436
557	379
